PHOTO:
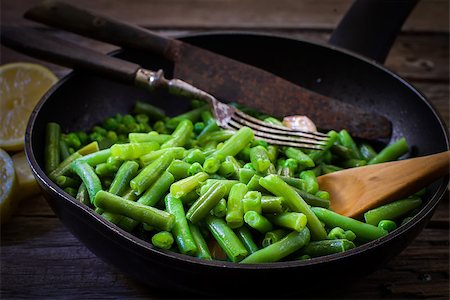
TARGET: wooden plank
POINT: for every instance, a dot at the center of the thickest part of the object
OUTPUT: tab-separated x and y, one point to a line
428	16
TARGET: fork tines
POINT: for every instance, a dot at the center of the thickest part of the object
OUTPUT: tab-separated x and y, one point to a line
279	135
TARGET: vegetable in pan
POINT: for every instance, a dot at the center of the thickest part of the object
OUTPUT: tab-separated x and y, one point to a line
192	186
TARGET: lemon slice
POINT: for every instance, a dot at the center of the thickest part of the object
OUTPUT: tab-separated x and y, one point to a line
8	201
28	185
21	86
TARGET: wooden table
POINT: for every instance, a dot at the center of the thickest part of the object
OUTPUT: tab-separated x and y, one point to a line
41	259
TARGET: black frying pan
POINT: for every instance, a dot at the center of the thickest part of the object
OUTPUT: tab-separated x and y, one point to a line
79	101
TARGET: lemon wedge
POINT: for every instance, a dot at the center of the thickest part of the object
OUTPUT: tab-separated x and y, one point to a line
21	86
8	201
28	185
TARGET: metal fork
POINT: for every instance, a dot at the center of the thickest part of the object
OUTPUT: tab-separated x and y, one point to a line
232	118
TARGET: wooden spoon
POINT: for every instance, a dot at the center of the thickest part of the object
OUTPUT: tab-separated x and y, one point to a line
354	191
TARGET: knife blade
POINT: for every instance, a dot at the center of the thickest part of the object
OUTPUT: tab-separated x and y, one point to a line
227	79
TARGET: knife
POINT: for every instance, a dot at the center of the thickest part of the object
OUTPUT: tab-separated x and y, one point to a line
227	79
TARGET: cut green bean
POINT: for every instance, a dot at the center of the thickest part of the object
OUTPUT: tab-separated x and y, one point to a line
347	141
155	113
391	152
88	176
392	211
51	151
184	186
252	202
364	232
296	203
181	134
290	220
367	151
192	115
257	221
163	240
278	250
139	212
235	210
121	181
304	161
246	174
260	158
179	169
64	182
245	236
201	207
150	173
177	152
327	247
158	190
272	204
82	195
220	210
133	150
273	236
202	246
226	239
183	237
387	225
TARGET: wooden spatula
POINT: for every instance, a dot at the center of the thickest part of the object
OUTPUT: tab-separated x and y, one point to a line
354	191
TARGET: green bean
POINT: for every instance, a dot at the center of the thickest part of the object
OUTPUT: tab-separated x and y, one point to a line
339	233
121	181
326	168
220	210
272	152
215	137
155	113
142	213
88	176
346	140
278	250
150	173
118	219
235	143
246	174
201	207
51	152
391	152
184	186
296	203
392	211
226	182
290	220
254	184
367	151
252	202
257	221
245	236
177	152
192	115
63	149
322	195
133	150
310	180
153	136
73	140
163	240
194	155
64	182
195	168
96	158
179	169
259	158
189	198
327	247
211	126
82	195
202	247
183	236
353	163
226	239
294	182
289	167
181	134
157	190
341	152
387	225
303	160
235	210
272	204
105	170
89	148
273	236
363	231
71	191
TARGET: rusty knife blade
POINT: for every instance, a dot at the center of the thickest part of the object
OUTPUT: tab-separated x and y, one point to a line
227	79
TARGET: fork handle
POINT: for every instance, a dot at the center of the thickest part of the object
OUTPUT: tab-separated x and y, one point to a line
52	49
90	24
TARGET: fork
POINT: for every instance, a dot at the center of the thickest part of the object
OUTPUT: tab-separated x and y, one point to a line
229	117
74	56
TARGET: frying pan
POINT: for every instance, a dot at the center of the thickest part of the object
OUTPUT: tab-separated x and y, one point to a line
79	101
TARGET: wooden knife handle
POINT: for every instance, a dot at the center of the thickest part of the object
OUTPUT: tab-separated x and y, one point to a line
90	24
52	49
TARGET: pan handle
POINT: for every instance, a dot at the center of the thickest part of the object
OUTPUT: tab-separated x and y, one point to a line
90	24
52	49
371	26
